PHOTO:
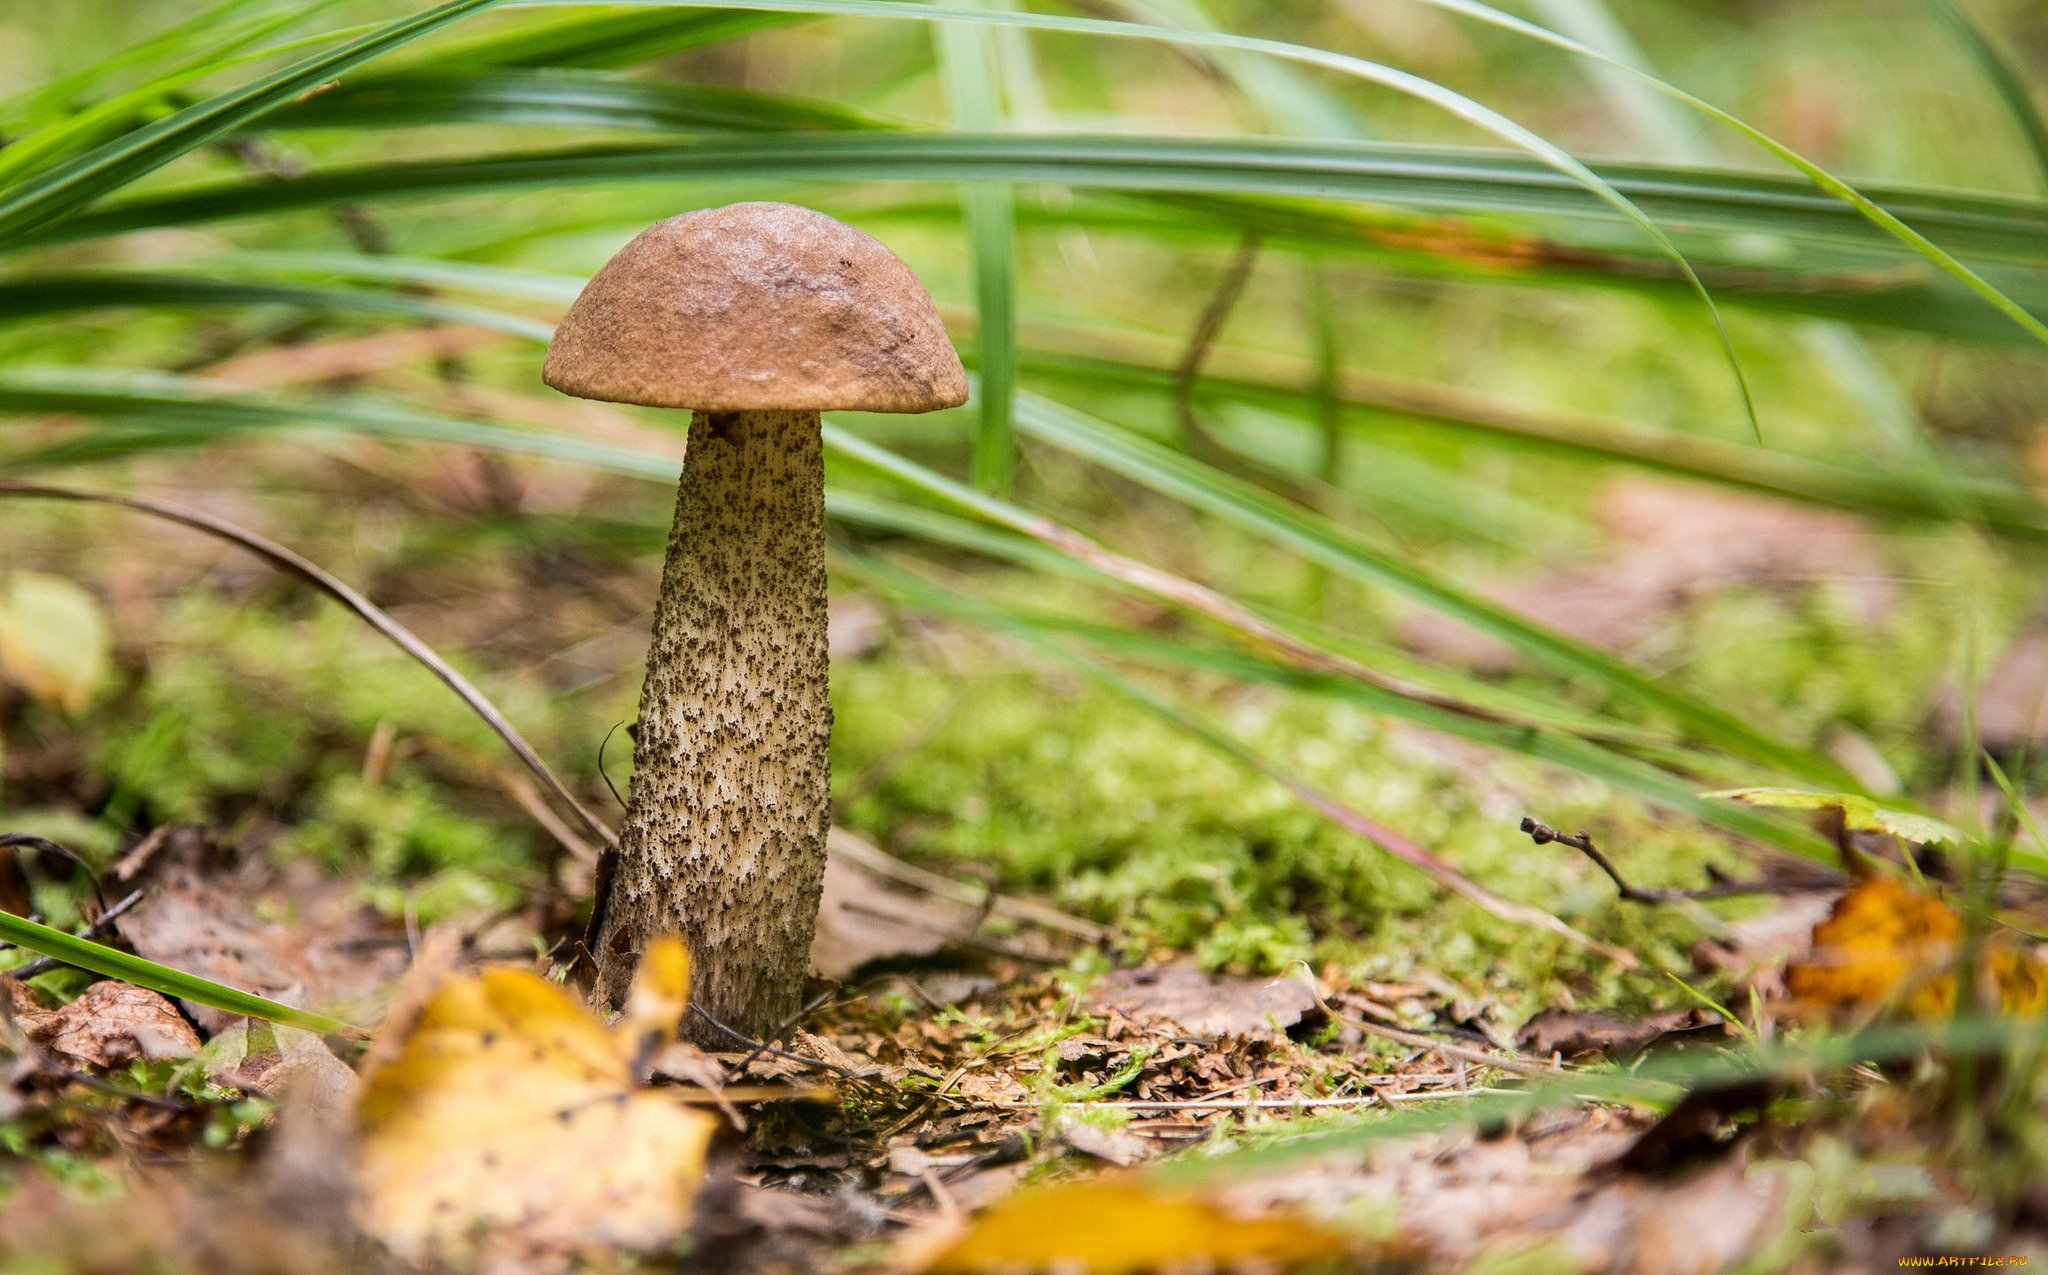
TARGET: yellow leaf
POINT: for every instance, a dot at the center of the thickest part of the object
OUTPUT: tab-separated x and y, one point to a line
659	998
55	643
1887	946
1858	812
508	1125
1121	1226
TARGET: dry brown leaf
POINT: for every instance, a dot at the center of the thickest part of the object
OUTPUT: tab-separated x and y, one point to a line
287	1059
1200	1004
1120	1226
111	1024
1570	1033
507	1128
863	919
1537	1198
1119	1147
288	934
1889	946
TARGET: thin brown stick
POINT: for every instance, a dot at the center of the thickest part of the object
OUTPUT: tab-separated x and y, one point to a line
1544	834
763	1047
522	791
853	846
375	616
29	841
99	925
1195	437
1208	326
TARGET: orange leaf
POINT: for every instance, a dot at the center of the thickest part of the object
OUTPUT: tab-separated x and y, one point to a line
1887	946
1121	1226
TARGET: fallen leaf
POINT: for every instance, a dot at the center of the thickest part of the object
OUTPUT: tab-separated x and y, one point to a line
1120	1226
1539	1196
112	1023
1889	946
282	1058
863	919
55	642
1704	1123
1571	1033
1118	1146
1200	1004
1859	814
507	1128
289	934
1767	939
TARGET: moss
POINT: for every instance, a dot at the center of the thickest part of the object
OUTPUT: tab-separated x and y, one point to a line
245	712
1044	783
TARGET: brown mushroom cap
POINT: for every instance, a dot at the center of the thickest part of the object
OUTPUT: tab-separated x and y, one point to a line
756	307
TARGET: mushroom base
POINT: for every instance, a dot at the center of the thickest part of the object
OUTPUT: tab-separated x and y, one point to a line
724	840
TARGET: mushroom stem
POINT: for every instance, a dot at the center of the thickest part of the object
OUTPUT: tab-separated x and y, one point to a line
724	840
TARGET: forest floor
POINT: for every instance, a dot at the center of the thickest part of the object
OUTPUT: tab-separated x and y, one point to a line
1089	995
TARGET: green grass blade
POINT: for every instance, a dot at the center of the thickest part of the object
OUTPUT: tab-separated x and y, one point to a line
1375	569
1553	746
968	68
1367	401
1870	493
1504	716
52	96
1204	173
515	96
2012	90
66	293
1319	540
107	167
192	411
113	963
1287	101
1820	177
1427	91
416	272
73	130
176	411
602	40
1654	119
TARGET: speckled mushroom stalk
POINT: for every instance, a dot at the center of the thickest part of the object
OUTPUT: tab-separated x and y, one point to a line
757	317
732	785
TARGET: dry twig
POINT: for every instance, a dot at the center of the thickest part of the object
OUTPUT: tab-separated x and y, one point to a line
1720	888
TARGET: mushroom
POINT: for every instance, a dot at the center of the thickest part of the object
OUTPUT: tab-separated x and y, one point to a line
756	317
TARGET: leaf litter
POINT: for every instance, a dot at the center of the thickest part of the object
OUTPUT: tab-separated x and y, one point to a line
962	1091
500	1126
285	932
